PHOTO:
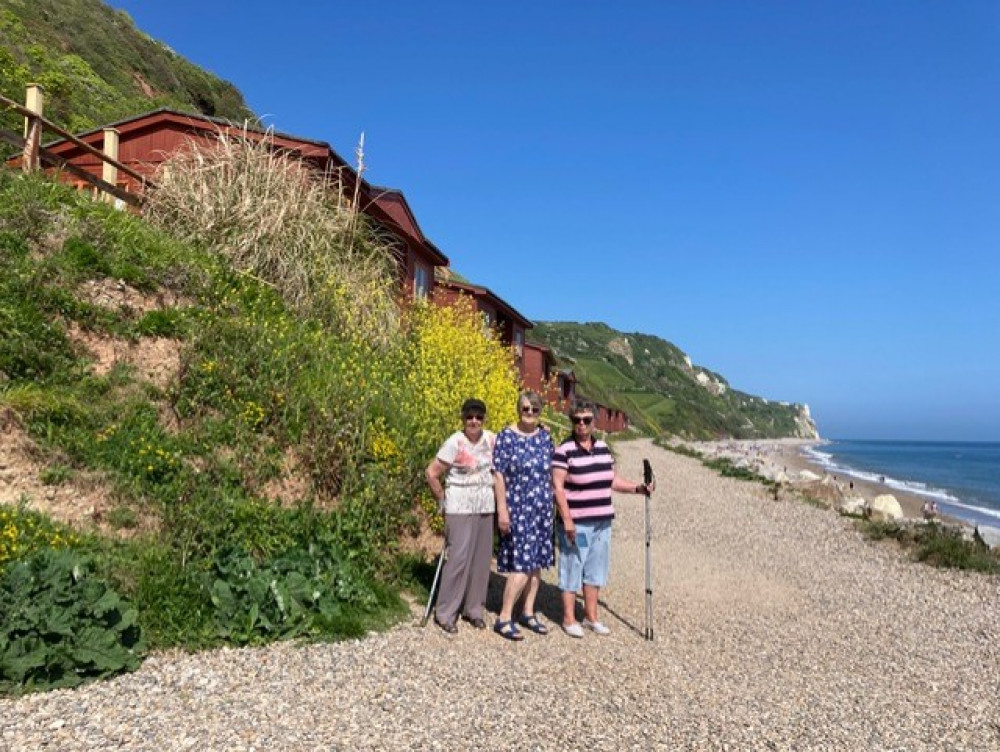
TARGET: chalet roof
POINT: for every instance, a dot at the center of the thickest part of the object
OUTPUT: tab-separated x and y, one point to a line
150	115
381	202
478	291
394	203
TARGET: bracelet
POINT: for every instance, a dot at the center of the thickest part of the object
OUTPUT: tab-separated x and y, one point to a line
638	489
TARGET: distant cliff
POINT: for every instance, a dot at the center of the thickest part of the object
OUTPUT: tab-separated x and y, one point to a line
661	390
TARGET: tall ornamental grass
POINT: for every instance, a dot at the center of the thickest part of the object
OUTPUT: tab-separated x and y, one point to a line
287	224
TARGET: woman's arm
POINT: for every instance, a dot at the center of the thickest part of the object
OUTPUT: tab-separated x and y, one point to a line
434	471
558	479
623	485
503	514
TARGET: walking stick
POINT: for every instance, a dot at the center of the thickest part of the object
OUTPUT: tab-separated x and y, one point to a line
434	585
647	478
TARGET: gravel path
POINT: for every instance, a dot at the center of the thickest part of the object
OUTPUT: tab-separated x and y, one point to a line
777	627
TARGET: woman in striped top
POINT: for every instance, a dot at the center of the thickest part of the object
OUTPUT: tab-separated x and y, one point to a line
583	478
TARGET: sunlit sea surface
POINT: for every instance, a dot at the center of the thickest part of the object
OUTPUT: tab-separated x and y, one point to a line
962	476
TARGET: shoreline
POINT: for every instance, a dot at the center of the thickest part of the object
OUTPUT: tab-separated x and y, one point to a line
787	456
911	503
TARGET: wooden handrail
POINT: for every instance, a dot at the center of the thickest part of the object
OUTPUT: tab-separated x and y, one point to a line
145	181
64	164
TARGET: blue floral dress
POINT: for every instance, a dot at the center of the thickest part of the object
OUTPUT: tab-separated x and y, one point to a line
526	465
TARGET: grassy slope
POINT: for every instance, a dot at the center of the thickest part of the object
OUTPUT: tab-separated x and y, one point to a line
657	389
97	67
194	485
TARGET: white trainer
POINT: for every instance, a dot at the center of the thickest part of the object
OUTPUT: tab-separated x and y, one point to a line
573	630
596	627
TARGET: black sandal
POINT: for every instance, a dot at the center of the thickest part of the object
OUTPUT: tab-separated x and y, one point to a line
530	621
508	630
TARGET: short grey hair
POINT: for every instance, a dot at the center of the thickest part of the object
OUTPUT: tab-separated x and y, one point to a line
581	405
531	397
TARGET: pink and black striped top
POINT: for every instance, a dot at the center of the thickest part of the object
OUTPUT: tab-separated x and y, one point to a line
588	479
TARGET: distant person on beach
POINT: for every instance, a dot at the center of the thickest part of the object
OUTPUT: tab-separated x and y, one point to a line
468	502
930	510
583	477
522	459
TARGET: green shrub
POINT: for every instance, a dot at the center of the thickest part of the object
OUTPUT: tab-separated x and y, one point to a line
168	322
305	592
122	518
62	626
682	449
55	475
936	545
33	345
727	469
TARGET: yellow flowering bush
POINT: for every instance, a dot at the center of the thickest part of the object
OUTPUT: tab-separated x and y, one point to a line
451	356
22	532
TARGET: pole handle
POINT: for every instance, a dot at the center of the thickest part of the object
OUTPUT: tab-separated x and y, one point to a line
647	474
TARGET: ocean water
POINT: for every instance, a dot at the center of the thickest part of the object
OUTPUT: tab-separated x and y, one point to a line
963	477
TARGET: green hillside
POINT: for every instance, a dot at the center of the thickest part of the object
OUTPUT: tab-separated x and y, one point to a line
660	389
97	67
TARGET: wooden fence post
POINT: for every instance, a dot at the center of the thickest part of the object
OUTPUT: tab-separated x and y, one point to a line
110	172
34	101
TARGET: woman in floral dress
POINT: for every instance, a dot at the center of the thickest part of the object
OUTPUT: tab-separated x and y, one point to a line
522	458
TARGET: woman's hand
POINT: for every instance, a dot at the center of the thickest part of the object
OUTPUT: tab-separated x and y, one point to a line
503	521
570	529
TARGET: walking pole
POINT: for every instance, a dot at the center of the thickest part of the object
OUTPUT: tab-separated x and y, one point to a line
434	585
647	478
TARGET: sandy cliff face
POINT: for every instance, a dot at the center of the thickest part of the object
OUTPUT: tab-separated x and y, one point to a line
804	424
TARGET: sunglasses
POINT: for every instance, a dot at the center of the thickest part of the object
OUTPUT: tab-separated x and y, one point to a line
585	420
474	416
530	410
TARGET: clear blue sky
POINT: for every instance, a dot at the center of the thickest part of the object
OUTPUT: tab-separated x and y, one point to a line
803	196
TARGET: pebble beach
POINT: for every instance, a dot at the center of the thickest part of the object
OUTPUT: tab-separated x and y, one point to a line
777	627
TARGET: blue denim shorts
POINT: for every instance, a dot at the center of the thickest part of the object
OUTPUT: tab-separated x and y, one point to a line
587	562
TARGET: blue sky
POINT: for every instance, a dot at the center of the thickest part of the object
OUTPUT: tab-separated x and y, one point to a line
803	196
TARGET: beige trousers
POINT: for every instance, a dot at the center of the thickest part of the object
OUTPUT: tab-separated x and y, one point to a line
466	573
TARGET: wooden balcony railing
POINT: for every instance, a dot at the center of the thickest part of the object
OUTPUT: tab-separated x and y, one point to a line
34	155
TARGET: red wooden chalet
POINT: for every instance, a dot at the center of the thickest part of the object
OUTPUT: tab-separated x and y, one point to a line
557	387
145	141
497	313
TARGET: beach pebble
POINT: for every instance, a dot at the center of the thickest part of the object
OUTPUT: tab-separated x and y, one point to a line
885	507
989	536
777	626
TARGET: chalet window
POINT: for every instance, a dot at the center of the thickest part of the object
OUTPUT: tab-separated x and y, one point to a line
519	342
421	281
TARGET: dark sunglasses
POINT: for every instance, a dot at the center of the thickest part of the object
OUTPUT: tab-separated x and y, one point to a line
474	416
530	410
585	419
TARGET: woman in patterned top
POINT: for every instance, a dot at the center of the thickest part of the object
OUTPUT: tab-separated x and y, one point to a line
523	461
468	501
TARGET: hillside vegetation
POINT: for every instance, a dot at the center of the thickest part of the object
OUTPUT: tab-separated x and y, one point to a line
97	67
218	417
659	387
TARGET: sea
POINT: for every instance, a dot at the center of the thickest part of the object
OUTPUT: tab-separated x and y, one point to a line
963	477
